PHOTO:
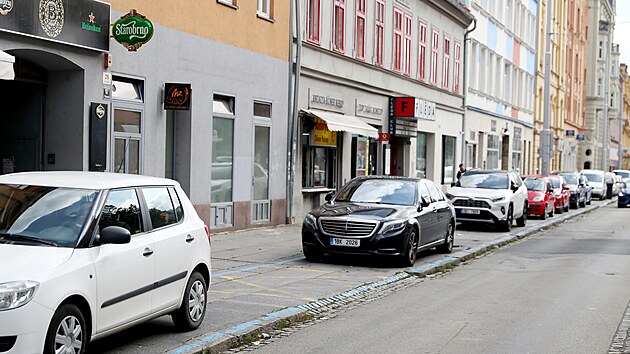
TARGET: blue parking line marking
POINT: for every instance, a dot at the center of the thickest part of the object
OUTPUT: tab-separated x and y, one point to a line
247	269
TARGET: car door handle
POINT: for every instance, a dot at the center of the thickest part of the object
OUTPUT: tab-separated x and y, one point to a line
147	252
190	238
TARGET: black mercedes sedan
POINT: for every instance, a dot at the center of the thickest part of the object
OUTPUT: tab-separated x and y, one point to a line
377	215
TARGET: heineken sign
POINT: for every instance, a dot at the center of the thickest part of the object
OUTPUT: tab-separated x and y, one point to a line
133	30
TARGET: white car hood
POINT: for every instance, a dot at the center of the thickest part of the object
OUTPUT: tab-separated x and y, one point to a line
478	192
19	262
596	185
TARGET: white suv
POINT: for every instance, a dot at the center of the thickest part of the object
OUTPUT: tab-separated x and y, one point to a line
496	197
84	255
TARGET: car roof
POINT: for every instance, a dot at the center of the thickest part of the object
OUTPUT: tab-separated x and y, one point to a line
393	178
534	176
480	172
84	180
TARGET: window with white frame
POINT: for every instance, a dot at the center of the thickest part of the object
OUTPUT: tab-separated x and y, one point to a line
516	148
435	42
600	52
446	62
497	76
264	8
313	21
490	68
493	152
456	66
360	12
507	75
599	87
231	3
379	32
509	14
221	172
474	64
128	107
407	45
398	40
339	25
482	69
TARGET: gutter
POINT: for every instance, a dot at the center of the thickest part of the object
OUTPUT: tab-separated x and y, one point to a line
465	91
293	116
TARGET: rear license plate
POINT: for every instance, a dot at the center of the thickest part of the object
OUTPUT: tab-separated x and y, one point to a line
344	242
471	211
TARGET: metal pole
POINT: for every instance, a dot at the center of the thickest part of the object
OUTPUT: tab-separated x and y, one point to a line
606	98
545	134
465	91
294	123
620	139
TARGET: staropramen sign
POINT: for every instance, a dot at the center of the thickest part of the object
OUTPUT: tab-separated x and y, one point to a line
132	30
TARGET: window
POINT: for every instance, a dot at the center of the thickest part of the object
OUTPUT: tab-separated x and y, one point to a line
600	52
160	206
497	77
128	104
507	76
231	3
407	48
379	32
446	62
493	152
264	8
474	64
262	110
361	151
448	159
599	87
179	211
421	155
398	28
313	18
422	51
436	195
435	38
424	193
318	167
222	149
360	29
482	69
456	67
508	14
516	148
122	209
339	25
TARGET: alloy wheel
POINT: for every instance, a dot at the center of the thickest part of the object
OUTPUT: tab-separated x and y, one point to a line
196	301
69	336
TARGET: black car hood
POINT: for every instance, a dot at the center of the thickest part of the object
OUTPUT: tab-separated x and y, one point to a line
366	210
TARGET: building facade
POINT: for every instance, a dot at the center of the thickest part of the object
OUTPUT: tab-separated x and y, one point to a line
380	92
501	80
558	79
576	64
106	108
599	79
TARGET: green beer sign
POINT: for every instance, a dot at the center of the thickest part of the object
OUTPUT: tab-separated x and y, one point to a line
133	30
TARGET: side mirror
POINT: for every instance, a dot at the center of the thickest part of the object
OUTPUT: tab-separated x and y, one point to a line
513	187
565	188
329	196
115	235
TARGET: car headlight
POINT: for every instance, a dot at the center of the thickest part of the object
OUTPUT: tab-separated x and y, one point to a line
497	199
391	226
16	293
538	198
311	221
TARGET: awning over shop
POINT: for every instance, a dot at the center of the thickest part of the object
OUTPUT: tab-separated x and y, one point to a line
6	66
340	122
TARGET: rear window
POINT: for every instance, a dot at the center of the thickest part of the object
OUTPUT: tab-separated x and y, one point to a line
485	181
594	177
555	182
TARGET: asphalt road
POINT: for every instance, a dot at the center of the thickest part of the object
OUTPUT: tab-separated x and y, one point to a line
257	272
563	291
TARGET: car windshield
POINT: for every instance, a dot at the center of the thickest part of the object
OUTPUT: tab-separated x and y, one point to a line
594	177
379	191
485	181
571	179
623	174
555	182
43	215
534	184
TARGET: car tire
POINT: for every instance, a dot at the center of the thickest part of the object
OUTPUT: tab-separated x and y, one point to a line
507	224
449	240
311	255
75	331
544	215
408	258
193	307
522	221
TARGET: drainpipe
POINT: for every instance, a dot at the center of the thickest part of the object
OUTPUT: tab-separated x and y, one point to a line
465	89
294	72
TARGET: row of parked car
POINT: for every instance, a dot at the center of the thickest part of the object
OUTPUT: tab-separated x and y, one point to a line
399	216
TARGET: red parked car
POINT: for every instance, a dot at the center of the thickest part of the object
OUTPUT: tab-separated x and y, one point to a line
540	196
562	193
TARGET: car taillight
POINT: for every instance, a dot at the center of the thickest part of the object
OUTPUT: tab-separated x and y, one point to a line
205	227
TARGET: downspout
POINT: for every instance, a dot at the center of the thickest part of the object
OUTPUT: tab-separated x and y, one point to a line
465	89
294	73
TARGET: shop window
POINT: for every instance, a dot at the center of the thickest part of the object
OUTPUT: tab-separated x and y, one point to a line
222	150
448	159
313	21
493	152
421	155
127	126
379	17
362	150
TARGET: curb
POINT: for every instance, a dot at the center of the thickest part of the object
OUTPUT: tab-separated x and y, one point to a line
225	340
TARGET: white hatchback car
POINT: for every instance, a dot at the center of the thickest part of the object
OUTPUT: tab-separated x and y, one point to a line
84	255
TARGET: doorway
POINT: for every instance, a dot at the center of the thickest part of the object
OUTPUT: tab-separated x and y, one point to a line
505	153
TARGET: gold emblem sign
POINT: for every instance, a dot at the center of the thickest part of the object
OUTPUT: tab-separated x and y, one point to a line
51	16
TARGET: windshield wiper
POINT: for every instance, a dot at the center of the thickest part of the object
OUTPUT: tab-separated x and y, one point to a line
12	237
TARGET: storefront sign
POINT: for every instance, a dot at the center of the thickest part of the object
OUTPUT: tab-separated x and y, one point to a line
327	102
74	22
402	120
321	136
425	109
366	110
177	97
580	137
383	136
405	106
570	133
98	136
133	30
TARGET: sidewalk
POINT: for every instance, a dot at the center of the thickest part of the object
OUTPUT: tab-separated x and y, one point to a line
260	279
